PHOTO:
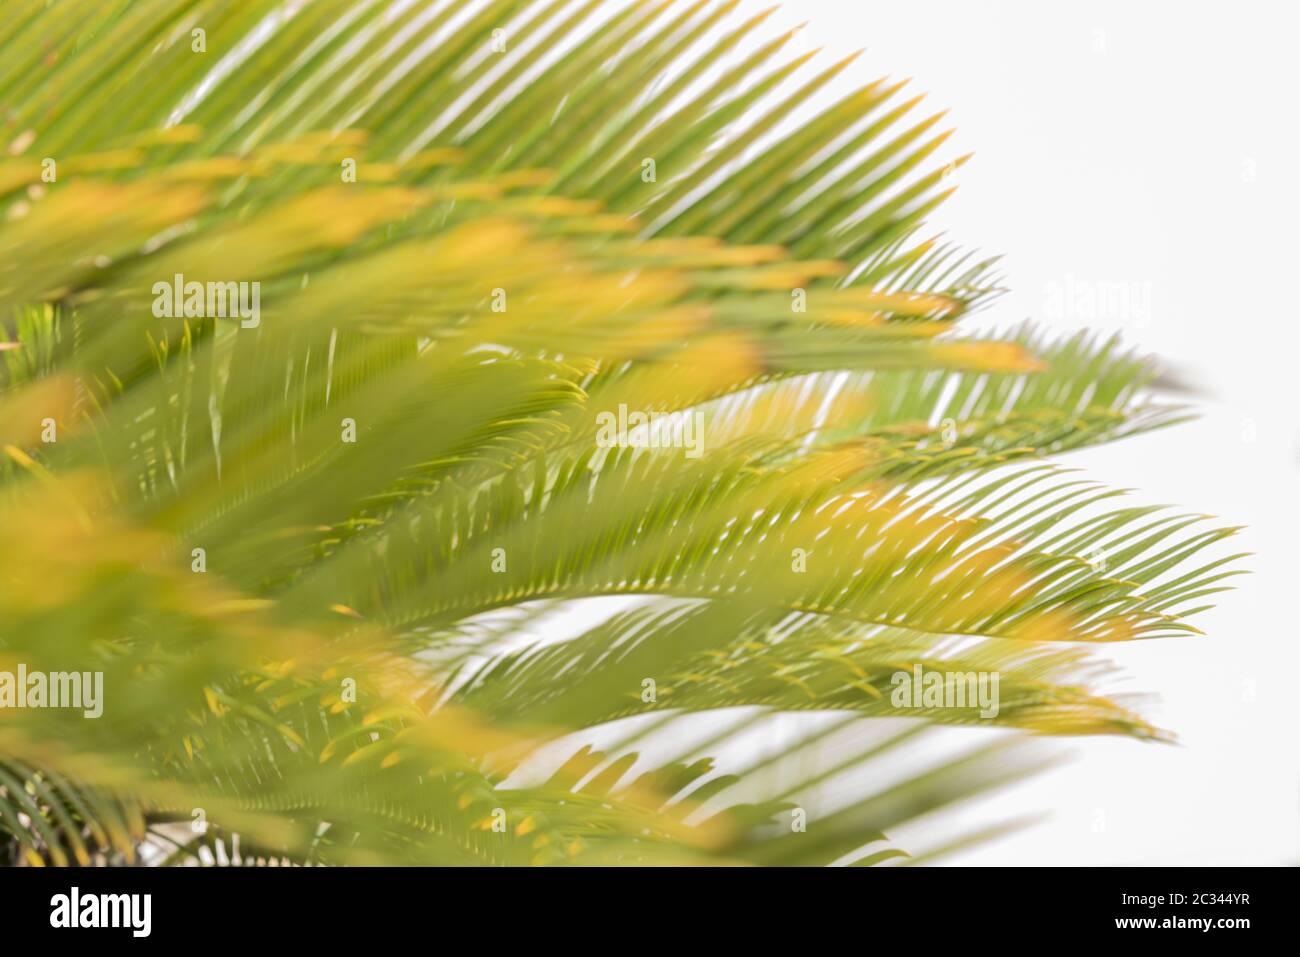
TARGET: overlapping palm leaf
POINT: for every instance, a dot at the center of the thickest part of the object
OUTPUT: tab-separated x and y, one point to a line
364	666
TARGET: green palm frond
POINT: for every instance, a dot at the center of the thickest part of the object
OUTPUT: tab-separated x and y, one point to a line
318	557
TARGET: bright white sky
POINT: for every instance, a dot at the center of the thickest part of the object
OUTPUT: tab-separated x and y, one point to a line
1154	144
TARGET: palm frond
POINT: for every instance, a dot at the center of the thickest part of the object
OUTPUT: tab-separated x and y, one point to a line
478	229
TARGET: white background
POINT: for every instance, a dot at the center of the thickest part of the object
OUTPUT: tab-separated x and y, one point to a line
1151	143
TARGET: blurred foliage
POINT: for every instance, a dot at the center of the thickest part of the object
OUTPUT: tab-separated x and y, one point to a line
499	151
